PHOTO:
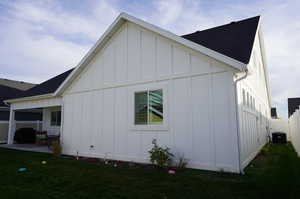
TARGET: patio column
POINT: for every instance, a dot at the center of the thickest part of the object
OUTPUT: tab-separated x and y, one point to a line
61	123
11	127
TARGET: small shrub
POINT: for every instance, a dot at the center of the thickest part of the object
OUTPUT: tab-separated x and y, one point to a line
181	163
56	148
162	157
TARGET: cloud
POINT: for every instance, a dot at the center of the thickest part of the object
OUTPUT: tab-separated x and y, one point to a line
45	38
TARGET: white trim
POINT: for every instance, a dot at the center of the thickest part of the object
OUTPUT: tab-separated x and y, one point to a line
11	127
139	82
263	55
36	97
121	19
28	122
150	127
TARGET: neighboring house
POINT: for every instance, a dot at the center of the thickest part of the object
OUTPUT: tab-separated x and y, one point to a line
20	85
204	95
274	113
12	89
293	105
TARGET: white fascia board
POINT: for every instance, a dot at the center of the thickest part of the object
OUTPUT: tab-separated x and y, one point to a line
197	47
98	45
36	97
263	52
123	17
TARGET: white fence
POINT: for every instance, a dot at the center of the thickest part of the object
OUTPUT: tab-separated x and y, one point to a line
37	125
294	127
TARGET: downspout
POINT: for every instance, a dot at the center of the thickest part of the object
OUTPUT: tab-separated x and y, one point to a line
237	119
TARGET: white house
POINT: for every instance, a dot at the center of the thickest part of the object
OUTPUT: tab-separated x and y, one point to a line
205	95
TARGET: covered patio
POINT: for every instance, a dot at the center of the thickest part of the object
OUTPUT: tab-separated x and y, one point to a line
51	122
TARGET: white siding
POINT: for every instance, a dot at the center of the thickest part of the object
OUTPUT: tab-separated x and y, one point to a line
199	103
30	104
254	112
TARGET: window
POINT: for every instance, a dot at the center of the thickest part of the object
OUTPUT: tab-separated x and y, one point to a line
244	97
254	59
248	99
148	107
55	118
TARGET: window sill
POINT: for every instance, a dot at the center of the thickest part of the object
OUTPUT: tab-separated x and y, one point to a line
55	125
149	128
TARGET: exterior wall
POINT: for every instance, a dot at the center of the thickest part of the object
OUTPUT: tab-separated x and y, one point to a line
198	94
254	108
51	130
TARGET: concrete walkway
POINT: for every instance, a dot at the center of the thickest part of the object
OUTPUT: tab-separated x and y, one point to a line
27	147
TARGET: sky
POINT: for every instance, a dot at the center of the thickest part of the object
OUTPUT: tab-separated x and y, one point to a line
43	38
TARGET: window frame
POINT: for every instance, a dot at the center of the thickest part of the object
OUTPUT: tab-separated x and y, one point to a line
57	123
150	127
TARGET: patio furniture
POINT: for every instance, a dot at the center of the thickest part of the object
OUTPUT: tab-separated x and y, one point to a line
41	138
25	135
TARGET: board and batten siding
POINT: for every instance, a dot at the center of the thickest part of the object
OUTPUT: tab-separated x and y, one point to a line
254	114
198	95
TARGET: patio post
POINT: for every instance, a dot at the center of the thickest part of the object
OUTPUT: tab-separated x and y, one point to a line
11	127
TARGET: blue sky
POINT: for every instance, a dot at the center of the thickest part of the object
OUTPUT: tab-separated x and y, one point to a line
42	38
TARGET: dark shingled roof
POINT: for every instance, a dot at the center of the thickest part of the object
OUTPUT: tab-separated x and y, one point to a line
46	87
8	93
234	40
293	105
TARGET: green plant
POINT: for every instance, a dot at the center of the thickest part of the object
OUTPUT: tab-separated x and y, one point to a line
181	163
56	148
162	157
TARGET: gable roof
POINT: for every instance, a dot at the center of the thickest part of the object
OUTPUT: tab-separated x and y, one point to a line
46	87
7	92
221	43
121	19
16	84
234	40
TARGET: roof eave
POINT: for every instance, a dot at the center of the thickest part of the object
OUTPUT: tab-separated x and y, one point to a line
35	97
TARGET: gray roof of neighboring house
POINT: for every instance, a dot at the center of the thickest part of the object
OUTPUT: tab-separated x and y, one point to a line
46	87
8	93
293	105
16	84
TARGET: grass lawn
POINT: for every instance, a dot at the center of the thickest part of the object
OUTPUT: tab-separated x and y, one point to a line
273	174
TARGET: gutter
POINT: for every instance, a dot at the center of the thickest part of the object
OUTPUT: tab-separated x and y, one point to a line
238	121
35	97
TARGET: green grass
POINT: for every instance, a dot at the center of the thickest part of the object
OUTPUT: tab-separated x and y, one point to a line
275	173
